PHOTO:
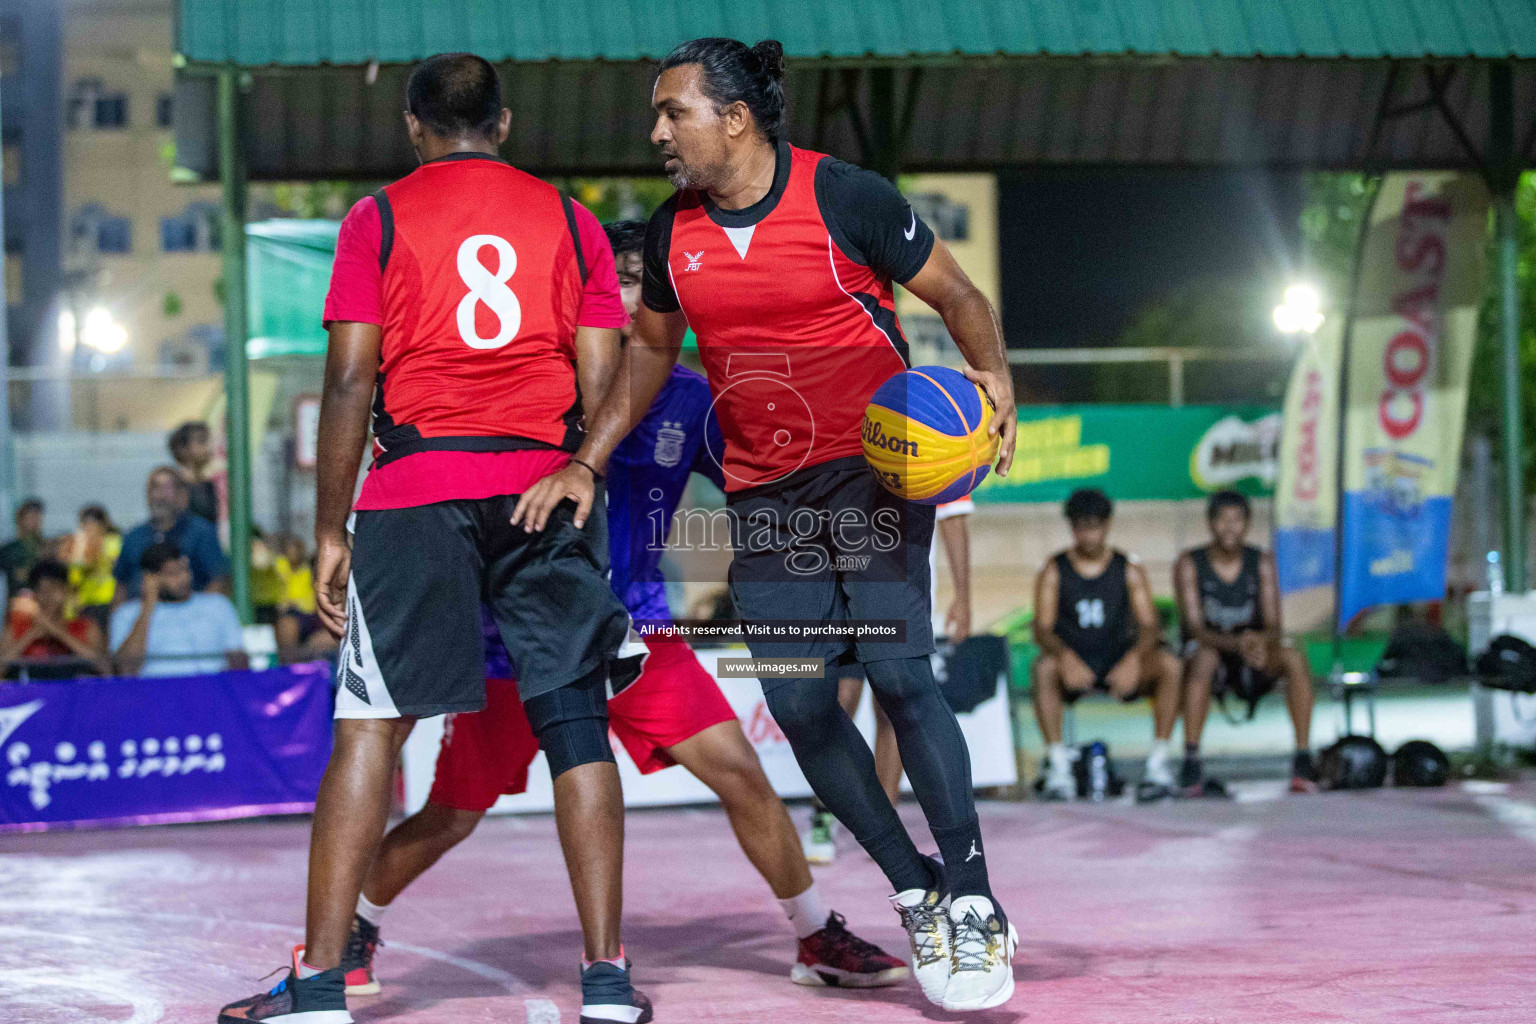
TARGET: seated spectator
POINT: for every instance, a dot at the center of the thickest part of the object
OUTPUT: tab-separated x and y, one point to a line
191	446
45	631
300	634
170	630
91	552
293	565
18	556
267	583
1097	629
169	520
1229	610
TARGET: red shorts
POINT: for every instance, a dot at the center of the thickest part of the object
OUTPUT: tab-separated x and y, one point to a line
487	753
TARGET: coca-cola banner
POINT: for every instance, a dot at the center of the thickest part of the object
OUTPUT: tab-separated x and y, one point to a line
95	752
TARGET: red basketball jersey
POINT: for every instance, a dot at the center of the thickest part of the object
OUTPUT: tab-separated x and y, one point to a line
482	283
796	323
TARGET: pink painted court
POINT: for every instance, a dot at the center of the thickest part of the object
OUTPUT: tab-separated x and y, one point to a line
1387	906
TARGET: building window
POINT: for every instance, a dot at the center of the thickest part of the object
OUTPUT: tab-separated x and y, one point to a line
90	105
177	234
194	229
10	46
112	110
114	235
13	282
163	110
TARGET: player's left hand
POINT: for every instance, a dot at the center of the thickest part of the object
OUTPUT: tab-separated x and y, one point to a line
575	482
1254	649
957	623
999	388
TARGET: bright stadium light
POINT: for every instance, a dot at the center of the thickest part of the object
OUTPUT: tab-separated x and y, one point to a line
102	333
1301	311
66	331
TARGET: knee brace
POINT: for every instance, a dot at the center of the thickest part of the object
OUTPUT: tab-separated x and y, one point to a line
571	723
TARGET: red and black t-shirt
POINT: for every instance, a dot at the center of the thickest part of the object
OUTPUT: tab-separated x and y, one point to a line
791	299
479	275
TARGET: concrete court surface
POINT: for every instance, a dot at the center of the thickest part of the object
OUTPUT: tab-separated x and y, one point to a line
1400	906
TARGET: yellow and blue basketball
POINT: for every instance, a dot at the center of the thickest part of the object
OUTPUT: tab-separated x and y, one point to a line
925	435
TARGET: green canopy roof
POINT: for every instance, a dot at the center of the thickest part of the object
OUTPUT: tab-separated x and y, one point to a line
259	33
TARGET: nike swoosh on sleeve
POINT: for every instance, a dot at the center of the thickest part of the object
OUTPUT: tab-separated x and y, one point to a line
911	231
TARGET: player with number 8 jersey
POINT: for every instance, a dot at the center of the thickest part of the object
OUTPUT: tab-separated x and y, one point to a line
466	301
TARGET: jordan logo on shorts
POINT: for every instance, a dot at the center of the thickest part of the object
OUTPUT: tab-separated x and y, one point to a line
973	854
349	678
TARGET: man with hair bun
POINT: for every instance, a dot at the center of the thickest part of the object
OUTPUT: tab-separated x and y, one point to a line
673	715
784	262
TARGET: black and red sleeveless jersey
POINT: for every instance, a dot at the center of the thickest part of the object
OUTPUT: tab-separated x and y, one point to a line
792	303
482	283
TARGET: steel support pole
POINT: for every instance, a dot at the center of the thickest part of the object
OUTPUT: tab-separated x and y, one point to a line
237	399
7	471
1505	176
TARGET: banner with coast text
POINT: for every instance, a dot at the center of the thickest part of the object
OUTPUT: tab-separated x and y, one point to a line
1139	452
1410	356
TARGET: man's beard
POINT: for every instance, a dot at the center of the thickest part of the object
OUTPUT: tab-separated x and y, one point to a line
700	178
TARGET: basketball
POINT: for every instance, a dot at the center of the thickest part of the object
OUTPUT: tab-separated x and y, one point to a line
925	435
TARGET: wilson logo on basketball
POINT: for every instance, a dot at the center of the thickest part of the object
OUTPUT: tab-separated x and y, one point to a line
875	435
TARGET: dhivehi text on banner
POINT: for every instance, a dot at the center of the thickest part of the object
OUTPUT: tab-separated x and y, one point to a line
1139	452
1410	356
150	751
1306	504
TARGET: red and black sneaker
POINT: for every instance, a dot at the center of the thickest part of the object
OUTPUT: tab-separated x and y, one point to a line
320	999
837	957
357	958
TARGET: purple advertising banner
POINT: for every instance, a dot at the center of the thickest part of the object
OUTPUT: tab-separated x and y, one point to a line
100	752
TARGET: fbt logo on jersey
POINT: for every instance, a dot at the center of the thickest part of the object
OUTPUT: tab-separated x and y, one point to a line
488	288
693	260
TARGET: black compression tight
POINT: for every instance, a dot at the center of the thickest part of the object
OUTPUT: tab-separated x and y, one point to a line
841	769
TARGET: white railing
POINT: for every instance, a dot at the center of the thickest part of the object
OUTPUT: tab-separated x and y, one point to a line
1176	358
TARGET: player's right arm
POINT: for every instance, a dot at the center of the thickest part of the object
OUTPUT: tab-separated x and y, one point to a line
351	370
1186	586
1047	593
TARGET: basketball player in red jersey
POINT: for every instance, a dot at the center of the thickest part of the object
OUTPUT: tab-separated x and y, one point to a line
467	298
782	261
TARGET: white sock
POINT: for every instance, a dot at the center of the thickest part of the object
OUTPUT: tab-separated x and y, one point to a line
304	971
371	912
1159	753
807	913
1060	756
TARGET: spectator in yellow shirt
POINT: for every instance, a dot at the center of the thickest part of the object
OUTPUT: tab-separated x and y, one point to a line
91	552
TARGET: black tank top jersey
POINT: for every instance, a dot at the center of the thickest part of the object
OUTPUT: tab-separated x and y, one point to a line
1229	607
1093	616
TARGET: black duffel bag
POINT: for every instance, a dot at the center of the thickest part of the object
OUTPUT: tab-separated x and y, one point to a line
971	670
1509	663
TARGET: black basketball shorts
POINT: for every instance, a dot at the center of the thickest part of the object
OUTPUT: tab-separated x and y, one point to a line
413	644
829	544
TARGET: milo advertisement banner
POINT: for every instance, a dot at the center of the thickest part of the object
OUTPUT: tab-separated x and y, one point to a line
1408	363
1139	452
